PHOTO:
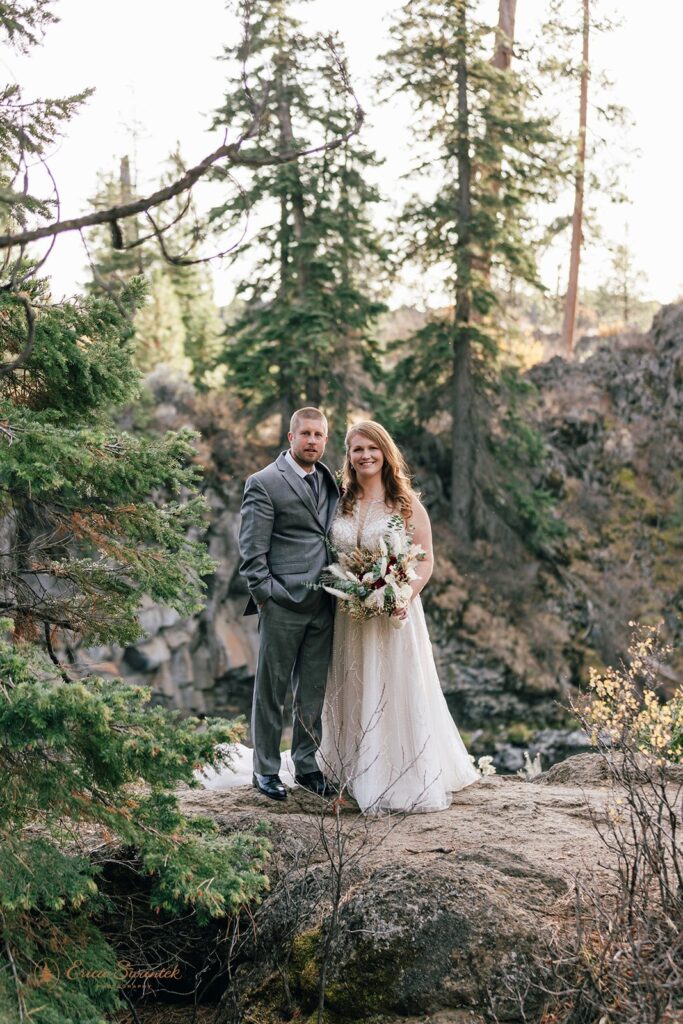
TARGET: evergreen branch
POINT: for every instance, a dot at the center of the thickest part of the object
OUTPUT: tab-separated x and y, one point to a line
21	359
6	431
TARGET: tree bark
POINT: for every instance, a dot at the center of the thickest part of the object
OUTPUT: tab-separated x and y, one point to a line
291	228
505	34
300	255
502	60
569	323
464	440
131	233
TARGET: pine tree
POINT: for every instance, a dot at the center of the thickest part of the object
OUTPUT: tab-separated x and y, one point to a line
93	758
572	75
179	323
81	541
569	321
203	328
494	158
160	336
310	303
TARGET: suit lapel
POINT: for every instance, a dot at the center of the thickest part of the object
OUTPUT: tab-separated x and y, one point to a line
298	485
301	488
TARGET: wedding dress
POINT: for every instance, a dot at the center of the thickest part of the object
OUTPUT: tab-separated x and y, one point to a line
388	736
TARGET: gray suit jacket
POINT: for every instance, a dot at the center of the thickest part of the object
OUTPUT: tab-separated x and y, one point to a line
283	536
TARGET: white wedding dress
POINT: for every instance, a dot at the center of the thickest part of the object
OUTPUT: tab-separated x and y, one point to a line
388	736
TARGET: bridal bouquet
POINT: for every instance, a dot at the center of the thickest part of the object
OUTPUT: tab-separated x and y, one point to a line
376	582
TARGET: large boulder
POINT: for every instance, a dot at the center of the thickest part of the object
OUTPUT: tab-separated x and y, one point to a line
441	913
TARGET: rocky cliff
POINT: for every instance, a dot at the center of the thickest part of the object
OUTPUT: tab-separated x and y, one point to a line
513	632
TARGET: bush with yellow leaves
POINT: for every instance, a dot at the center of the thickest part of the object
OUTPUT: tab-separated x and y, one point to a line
625	707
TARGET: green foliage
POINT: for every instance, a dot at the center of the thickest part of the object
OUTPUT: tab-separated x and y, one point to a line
27	127
80	365
95	755
159	327
619	299
516	159
179	323
24	23
202	343
520	455
306	331
91	519
88	540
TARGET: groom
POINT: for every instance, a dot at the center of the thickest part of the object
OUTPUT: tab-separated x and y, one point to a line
287	510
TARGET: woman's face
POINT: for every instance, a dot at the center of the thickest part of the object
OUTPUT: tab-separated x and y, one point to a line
366	458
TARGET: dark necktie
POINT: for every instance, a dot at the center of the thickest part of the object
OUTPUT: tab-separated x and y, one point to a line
312	481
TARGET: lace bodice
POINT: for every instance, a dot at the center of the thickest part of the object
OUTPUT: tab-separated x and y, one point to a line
368	522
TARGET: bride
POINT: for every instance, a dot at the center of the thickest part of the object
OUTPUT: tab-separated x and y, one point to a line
388	736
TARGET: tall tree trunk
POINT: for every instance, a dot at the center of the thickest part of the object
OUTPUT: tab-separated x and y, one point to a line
502	60
292	226
287	401
569	324
505	34
296	199
131	225
464	441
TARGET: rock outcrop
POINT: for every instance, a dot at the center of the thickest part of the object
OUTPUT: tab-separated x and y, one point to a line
441	916
513	632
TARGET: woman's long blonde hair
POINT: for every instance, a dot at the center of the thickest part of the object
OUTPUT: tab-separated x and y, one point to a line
395	477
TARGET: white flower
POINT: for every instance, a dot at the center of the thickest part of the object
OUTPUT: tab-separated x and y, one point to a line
368	578
486	766
398	543
337	571
338	593
375	600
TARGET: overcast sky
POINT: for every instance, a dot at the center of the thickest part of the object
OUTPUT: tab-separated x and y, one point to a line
152	63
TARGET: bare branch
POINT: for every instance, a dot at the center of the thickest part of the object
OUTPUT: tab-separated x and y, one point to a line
231	153
184	261
53	657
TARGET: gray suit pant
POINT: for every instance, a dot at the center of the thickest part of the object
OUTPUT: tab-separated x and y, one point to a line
293	646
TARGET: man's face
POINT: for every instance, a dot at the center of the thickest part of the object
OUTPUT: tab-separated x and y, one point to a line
308	442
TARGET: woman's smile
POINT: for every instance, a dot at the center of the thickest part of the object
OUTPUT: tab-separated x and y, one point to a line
365	456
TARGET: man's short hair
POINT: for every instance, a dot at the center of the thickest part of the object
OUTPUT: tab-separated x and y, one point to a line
308	413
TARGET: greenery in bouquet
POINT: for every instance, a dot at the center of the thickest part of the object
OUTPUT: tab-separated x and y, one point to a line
375	581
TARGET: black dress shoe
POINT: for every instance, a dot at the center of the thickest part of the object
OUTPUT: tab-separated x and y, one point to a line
317	783
270	785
